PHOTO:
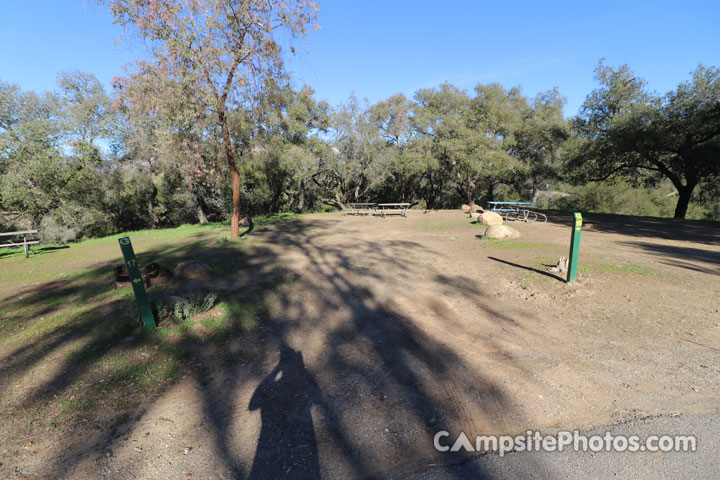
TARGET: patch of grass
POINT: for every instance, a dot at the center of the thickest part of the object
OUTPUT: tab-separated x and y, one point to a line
511	244
32	250
72	405
60	261
244	312
106	363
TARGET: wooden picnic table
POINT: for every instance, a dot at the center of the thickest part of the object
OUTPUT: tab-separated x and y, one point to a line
393	209
25	243
360	208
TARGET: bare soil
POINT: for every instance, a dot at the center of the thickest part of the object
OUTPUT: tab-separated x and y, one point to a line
375	333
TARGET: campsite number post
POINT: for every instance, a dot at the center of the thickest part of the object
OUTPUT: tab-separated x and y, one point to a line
137	282
574	248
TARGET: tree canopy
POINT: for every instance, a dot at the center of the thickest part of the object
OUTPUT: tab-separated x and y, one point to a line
623	130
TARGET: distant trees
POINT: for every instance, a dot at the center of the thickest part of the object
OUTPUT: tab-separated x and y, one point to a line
447	139
79	162
51	166
623	130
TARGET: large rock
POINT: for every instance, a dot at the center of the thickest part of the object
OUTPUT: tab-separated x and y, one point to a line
501	232
475	216
477	208
192	270
466	208
491	218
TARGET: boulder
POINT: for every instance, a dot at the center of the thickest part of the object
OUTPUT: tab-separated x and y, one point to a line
501	232
466	208
491	218
477	208
192	270
475	216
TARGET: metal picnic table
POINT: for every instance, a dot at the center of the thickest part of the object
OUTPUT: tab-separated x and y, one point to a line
518	211
393	209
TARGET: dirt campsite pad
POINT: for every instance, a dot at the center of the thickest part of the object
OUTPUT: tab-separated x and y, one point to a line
342	344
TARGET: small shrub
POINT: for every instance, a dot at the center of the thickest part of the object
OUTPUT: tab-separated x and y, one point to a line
185	305
52	230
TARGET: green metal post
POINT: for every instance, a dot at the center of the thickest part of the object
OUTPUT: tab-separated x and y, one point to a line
137	282
574	248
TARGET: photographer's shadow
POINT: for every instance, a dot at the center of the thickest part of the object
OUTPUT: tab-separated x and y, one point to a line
287	447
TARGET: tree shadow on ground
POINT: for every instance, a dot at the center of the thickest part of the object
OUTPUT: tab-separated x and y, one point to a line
33	250
380	386
665	229
690	258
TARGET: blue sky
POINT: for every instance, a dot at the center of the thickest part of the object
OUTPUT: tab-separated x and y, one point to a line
378	48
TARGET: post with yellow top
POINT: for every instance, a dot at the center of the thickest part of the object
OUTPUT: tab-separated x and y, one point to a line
574	248
137	282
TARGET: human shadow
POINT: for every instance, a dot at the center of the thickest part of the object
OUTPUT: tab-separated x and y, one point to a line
287	447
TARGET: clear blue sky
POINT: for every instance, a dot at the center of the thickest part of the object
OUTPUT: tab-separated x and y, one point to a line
378	48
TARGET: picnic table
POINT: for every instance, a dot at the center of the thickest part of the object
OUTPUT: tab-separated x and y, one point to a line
360	208
518	211
25	243
393	209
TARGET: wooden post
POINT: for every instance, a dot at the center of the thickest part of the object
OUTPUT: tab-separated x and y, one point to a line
25	245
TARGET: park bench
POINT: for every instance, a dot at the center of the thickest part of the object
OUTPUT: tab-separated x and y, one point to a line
518	211
16	244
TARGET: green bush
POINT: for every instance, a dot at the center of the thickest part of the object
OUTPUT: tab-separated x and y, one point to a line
617	198
185	305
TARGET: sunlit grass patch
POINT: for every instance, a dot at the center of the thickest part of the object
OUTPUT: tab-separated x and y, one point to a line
494	243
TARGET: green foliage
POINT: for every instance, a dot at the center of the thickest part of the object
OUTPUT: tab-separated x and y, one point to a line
77	163
185	304
625	131
616	197
622	198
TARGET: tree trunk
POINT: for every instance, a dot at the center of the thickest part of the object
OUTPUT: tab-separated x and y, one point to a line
151	203
234	175
490	193
201	208
202	218
684	194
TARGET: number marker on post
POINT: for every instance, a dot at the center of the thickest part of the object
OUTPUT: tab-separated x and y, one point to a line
574	248
137	282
